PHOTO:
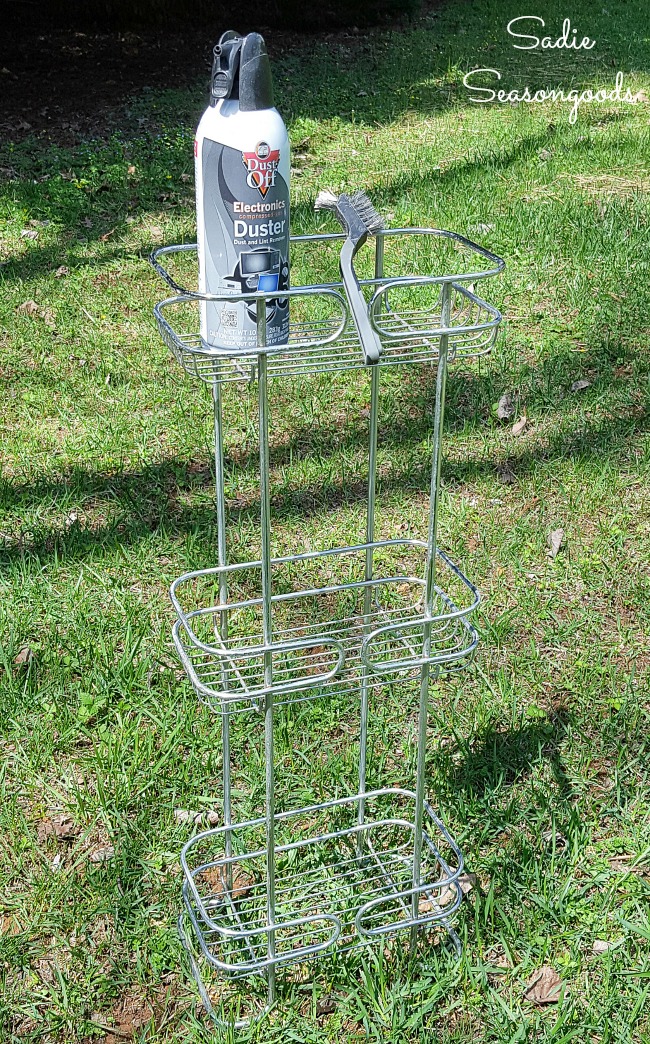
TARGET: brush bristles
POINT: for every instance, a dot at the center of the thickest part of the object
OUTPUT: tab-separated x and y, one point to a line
325	200
364	208
358	201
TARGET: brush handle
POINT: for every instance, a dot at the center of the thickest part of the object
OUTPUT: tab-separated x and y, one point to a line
370	342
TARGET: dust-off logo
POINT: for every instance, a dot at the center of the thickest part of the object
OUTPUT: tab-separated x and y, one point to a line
261	166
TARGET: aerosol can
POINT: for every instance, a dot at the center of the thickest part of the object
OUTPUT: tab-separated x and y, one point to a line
242	197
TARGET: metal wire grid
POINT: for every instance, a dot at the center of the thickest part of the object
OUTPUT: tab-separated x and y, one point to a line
405	311
332	889
316	650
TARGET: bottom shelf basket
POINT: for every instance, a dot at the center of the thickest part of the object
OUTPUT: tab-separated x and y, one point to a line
348	876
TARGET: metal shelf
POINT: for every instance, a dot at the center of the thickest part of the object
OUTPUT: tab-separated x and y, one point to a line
405	310
252	636
346	876
324	636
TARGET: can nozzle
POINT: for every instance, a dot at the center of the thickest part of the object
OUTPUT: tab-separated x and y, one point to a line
255	84
241	70
225	67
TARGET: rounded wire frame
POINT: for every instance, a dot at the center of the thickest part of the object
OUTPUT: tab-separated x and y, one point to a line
384	870
325	343
329	651
362	879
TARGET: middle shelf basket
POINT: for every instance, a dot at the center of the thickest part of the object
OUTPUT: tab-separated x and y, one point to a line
324	631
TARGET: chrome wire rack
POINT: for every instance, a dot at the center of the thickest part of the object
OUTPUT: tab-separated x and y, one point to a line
265	894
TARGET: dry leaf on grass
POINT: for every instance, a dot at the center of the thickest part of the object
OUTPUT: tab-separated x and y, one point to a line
601	946
467	883
242	882
326	1005
530	505
32	308
62	271
189	815
520	426
445	897
29	233
24	657
448	894
62	827
102	855
544	987
505	407
625	864
555	539
580	385
216	880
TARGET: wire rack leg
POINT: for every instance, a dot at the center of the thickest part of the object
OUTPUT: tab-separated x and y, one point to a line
441	380
265	525
220	501
226	1023
370	536
367	594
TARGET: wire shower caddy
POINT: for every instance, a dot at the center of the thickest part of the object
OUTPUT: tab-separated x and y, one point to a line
254	636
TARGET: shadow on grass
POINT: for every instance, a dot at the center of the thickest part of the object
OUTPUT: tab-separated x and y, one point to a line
174	494
144	501
372	76
108	201
498	758
155	498
364	80
67	206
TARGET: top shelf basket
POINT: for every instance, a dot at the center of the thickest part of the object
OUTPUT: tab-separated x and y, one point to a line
405	310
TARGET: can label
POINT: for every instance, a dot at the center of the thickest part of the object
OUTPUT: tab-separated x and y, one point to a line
246	246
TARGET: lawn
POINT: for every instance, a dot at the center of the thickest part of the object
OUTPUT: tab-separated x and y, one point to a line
538	755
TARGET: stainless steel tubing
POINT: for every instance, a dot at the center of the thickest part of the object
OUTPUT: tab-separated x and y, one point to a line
220	499
370	536
337	874
429	595
265	526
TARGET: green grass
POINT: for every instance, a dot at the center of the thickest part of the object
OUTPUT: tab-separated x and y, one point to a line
538	756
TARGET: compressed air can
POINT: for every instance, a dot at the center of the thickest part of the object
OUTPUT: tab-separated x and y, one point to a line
242	197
